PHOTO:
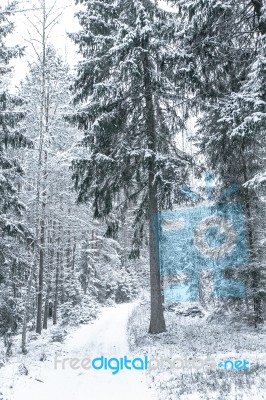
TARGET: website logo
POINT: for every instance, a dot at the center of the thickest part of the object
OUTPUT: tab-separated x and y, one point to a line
208	236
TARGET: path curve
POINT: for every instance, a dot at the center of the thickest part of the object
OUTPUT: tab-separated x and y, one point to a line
106	336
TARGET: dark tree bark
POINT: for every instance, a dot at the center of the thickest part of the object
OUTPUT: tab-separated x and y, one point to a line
42	255
157	322
40	281
255	273
49	271
62	283
74	254
57	276
258	5
27	305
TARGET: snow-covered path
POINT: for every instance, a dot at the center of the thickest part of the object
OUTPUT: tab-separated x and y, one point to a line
107	336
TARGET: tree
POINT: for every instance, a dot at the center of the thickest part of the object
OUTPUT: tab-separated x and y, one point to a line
226	75
13	231
43	27
70	288
127	99
237	149
46	189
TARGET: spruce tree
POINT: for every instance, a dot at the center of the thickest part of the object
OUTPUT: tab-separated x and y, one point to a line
233	139
13	231
10	134
226	79
126	98
218	40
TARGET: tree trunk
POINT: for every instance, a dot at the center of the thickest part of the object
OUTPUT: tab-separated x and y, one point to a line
258	9
62	282
74	255
49	271
255	273
46	311
57	275
42	252
40	283
43	129
157	322
26	307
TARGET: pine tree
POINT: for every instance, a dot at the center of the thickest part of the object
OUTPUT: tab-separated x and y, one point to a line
237	151
11	115
13	231
218	41
227	76
127	99
47	186
69	283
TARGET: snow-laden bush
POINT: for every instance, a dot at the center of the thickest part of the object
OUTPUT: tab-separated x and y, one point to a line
57	335
11	311
75	314
126	287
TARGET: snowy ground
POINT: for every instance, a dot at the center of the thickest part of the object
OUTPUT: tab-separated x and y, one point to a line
187	338
197	338
106	336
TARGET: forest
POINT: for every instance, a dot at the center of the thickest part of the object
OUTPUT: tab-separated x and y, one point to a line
135	174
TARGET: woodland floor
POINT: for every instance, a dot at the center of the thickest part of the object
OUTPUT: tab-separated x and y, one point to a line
105	336
122	330
195	338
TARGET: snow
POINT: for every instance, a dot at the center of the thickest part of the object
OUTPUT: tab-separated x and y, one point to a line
106	336
196	338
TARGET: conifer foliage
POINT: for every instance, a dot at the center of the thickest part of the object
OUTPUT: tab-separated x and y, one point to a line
226	75
12	258
125	94
11	136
